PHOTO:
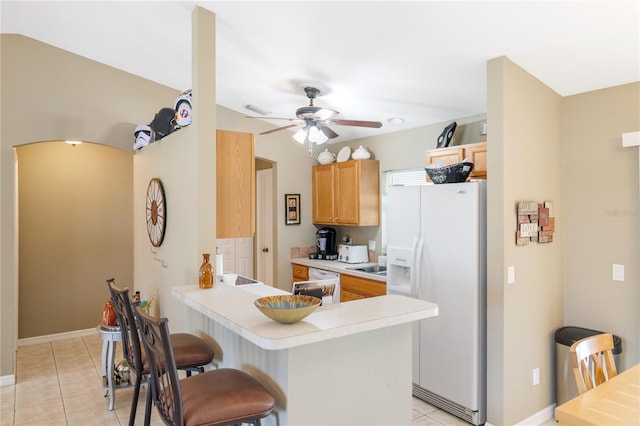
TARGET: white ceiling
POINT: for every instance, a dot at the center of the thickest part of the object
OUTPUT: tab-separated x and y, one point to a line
424	61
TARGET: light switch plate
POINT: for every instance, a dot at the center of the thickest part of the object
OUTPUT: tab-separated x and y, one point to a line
618	272
372	244
511	275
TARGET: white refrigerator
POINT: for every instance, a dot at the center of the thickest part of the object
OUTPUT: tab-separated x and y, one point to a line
436	251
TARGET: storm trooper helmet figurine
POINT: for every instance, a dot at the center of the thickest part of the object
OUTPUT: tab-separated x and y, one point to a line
144	135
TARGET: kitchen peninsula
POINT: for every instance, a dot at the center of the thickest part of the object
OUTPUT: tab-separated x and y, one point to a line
347	363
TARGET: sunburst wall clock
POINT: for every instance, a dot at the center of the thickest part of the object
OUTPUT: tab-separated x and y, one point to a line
156	212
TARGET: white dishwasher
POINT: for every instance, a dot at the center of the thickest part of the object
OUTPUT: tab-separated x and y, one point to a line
321	274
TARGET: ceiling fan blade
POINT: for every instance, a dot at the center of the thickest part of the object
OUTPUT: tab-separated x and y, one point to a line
328	132
358	123
316	113
279	128
272	118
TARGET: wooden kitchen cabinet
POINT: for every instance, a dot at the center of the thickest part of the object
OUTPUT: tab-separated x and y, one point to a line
235	184
300	273
346	193
475	152
353	288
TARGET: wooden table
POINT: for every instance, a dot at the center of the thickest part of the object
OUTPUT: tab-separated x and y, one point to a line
615	402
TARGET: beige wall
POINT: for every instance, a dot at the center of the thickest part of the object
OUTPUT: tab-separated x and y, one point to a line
540	147
50	94
75	220
602	214
524	163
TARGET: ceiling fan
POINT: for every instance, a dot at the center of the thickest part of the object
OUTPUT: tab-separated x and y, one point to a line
315	120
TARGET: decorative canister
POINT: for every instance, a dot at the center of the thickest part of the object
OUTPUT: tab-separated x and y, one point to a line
326	157
361	153
109	314
206	272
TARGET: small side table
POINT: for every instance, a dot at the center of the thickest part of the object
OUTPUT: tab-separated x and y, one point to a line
110	336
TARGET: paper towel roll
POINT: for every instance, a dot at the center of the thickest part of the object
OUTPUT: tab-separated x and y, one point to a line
219	265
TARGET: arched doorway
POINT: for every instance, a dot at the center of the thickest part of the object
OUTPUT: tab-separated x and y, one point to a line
75	230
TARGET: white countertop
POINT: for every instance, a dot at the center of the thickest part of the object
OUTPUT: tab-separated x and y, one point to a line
233	308
340	267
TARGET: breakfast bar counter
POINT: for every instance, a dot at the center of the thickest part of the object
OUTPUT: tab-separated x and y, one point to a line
347	363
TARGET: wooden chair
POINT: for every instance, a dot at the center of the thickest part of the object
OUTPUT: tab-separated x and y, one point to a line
191	352
592	359
218	397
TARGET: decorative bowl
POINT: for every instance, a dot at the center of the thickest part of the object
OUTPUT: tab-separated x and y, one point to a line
455	173
288	308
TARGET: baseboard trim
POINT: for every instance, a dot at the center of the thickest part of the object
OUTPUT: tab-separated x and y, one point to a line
540	417
7	380
58	336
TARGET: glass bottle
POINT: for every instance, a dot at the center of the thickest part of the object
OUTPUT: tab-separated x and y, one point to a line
206	272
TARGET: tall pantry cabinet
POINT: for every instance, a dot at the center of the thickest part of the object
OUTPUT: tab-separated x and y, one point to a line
235	184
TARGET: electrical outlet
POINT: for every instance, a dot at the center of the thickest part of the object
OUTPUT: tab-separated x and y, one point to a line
372	244
618	272
536	376
511	275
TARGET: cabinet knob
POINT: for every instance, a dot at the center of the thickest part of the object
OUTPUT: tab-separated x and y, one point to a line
265	250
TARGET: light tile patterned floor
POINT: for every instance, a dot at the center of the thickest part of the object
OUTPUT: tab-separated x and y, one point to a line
60	383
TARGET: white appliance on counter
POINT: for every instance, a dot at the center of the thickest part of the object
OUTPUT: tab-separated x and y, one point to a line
436	251
348	253
322	275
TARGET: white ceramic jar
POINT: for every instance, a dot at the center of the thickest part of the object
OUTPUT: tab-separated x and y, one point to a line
326	157
361	153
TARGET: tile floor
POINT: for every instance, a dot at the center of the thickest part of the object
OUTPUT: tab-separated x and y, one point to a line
59	383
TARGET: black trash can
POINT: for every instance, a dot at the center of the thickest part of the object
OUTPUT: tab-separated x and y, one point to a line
566	388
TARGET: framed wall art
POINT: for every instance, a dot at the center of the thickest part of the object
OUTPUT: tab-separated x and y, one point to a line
292	209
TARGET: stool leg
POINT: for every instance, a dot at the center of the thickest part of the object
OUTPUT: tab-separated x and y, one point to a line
134	400
147	405
112	391
105	351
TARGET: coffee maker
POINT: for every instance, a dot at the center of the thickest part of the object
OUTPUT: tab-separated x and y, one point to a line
326	244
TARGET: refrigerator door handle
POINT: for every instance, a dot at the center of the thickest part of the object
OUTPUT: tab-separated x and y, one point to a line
412	267
417	265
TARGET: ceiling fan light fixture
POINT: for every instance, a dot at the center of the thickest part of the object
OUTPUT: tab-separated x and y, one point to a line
300	135
317	136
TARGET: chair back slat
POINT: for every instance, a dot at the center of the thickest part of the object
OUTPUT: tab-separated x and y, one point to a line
165	382
593	362
128	329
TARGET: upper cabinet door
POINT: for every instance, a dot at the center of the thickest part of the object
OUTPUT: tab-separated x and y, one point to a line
322	181
235	184
347	190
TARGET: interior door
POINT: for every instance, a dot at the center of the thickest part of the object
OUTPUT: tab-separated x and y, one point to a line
264	226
